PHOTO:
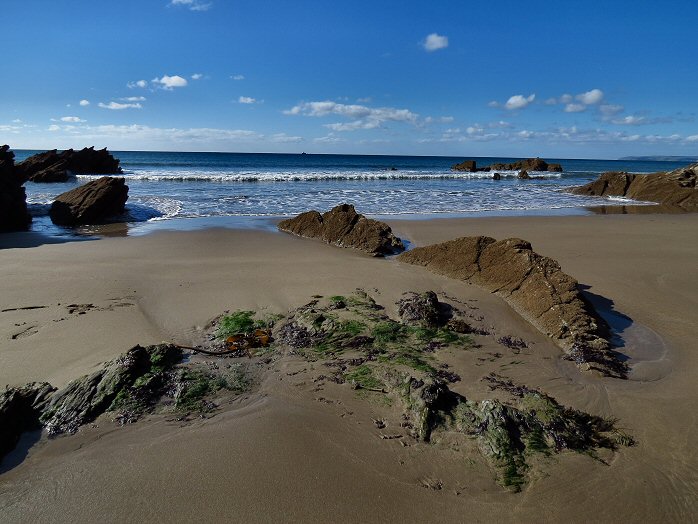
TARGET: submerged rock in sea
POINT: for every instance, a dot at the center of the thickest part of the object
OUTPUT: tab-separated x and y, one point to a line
678	188
20	409
137	376
529	164
465	165
92	203
52	166
535	286
342	226
13	199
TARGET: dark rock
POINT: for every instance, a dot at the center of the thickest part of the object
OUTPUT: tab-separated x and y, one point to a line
466	165
676	188
135	375
20	409
523	175
419	308
529	164
92	203
13	199
52	166
534	286
344	227
496	176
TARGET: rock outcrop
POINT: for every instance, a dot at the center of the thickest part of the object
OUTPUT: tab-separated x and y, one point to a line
534	286
676	188
20	409
523	175
53	166
92	203
137	376
529	164
342	226
466	165
13	199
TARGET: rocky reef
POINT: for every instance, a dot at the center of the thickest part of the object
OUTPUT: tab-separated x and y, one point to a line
398	361
535	286
13	198
52	166
674	189
529	164
92	203
342	226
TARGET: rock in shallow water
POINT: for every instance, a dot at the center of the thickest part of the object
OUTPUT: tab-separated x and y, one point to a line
92	203
342	226
52	166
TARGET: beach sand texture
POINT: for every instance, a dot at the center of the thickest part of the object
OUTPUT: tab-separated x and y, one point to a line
289	452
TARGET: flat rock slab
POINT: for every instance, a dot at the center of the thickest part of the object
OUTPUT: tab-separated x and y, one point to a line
342	226
535	286
93	203
676	188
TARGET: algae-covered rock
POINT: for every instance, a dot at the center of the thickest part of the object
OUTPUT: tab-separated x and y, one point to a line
420	308
20	409
123	382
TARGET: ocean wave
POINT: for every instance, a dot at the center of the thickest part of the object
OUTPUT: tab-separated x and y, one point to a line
314	176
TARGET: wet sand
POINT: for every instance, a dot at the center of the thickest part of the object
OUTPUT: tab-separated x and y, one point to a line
285	452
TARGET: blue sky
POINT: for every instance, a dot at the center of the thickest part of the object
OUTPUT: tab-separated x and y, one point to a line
501	78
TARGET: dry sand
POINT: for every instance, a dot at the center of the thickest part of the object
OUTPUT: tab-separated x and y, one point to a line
288	452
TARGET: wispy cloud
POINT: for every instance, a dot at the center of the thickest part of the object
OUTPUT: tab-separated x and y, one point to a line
133	99
434	42
247	100
72	119
575	108
138	83
192	5
197	76
360	116
168	83
238	77
116	106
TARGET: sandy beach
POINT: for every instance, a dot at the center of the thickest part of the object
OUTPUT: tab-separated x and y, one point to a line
291	451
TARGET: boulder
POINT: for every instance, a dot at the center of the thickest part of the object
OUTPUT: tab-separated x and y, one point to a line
342	226
52	166
676	188
20	409
496	176
13	199
466	165
92	203
422	309
523	175
535	286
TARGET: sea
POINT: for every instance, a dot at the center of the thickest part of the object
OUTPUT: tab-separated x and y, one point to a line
183	190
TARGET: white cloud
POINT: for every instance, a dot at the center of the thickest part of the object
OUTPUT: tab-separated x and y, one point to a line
362	117
192	5
170	82
247	100
138	83
493	103
117	106
238	77
575	108
197	76
283	138
519	101
84	103
592	97
72	119
692	138
631	120
54	127
565	99
329	139
434	42
17	121
133	99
